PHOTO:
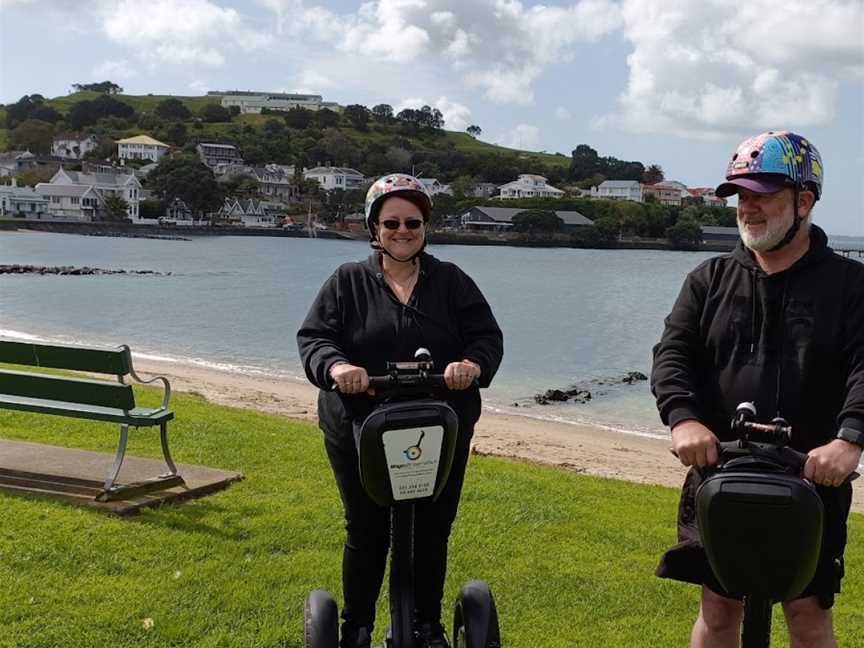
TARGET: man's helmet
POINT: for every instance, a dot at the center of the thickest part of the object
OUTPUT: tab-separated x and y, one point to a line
770	161
401	184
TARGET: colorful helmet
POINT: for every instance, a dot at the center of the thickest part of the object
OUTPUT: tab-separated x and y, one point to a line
405	185
773	160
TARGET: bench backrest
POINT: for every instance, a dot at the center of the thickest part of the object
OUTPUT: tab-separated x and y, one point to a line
116	362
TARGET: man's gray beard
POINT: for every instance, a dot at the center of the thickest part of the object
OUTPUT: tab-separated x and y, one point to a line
774	233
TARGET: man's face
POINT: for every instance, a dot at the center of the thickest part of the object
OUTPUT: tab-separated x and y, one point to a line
764	219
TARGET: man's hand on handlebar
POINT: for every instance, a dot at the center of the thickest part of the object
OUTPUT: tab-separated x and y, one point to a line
350	379
694	444
832	463
461	375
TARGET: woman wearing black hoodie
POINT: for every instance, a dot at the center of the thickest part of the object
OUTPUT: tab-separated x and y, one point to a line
779	322
378	310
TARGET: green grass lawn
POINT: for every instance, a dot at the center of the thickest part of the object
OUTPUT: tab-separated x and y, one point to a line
570	558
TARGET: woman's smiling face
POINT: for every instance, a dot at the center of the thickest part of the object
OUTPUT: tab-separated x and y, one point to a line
403	242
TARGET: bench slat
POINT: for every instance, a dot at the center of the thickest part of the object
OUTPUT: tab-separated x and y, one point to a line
72	390
106	361
138	417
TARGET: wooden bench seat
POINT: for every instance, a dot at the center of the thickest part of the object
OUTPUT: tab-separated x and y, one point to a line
111	401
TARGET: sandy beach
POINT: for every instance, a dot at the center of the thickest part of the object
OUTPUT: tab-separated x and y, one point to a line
588	449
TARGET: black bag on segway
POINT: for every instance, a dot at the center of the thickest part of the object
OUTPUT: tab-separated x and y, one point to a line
761	529
406	450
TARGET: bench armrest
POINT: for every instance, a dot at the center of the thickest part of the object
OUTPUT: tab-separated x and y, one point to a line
167	394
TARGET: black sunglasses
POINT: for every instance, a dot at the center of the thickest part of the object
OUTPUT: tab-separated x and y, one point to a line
411	224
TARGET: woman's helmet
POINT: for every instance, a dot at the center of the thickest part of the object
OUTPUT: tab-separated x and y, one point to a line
770	161
401	184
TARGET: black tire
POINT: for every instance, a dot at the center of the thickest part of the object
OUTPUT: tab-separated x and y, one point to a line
320	621
756	629
475	619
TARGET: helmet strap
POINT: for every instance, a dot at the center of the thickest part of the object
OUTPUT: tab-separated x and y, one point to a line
794	227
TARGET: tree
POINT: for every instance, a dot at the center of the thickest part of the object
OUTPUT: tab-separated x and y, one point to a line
151	209
172	109
213	113
189	179
32	135
463	186
174	133
326	118
85	113
339	148
685	234
608	228
584	162
30	107
383	112
653	174
537	221
105	87
115	208
358	116
474	131
299	118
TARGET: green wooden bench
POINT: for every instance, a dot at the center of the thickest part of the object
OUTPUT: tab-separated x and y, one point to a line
86	398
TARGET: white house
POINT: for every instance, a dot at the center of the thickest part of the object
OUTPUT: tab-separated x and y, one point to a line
618	190
529	186
666	193
125	185
21	202
141	147
253	102
73	146
246	213
212	154
331	178
70	201
434	187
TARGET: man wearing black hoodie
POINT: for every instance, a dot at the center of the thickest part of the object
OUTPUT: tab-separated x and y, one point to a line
780	322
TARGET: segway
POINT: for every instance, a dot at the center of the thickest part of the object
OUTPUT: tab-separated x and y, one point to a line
406	448
760	521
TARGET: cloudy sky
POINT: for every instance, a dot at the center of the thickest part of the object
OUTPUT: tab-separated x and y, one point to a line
672	82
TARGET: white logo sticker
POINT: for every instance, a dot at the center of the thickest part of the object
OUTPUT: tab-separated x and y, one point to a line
413	455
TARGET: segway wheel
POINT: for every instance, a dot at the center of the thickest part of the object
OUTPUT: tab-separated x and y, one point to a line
320	621
475	619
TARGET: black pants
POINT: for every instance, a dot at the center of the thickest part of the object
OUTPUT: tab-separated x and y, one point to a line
368	525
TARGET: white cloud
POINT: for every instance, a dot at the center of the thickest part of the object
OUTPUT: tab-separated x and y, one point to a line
120	69
177	31
711	68
313	79
200	87
457	116
500	46
523	136
562	113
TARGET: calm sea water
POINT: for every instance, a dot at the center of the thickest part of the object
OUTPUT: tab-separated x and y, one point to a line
235	303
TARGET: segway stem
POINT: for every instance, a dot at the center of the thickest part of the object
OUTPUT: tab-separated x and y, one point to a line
756	629
401	586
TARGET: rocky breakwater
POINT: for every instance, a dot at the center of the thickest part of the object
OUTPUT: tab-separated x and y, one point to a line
72	270
581	393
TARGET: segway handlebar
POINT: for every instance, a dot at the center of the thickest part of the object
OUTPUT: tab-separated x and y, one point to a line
396	380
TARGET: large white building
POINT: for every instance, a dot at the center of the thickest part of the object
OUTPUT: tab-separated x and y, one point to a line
141	147
21	202
331	178
73	146
253	102
435	187
618	190
529	186
124	185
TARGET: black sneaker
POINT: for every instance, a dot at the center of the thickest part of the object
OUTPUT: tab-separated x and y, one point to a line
355	638
432	635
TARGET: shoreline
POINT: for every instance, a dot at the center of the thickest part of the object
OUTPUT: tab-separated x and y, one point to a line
588	449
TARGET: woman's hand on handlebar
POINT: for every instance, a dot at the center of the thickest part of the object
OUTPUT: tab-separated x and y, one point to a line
832	463
461	375
350	379
694	444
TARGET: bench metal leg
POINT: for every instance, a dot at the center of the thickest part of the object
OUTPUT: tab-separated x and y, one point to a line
118	458
163	435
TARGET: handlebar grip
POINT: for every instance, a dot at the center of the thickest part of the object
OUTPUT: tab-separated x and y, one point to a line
380	382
